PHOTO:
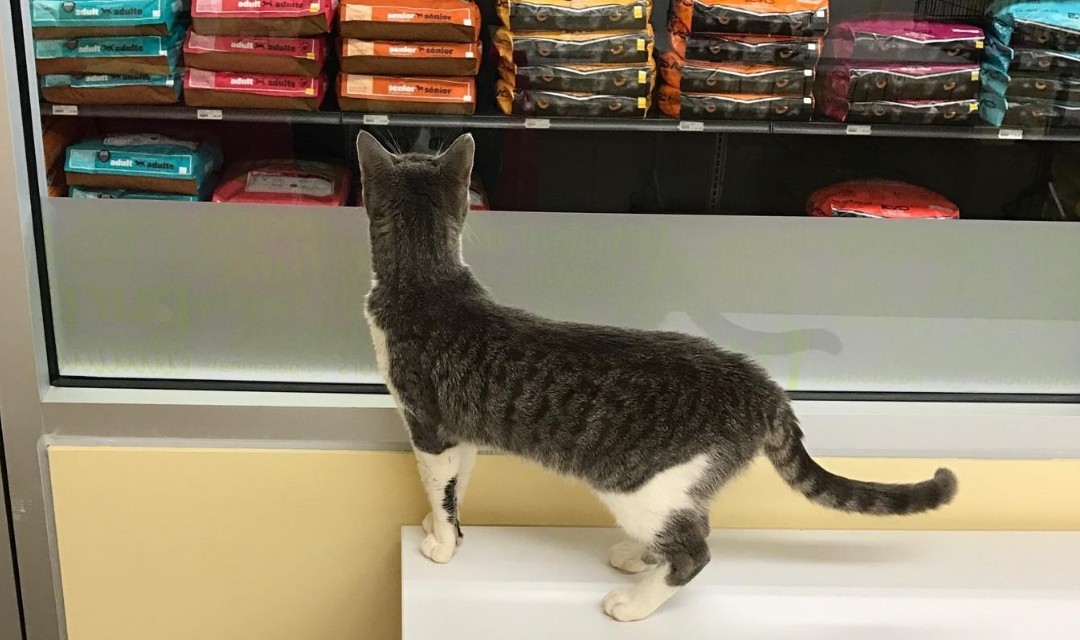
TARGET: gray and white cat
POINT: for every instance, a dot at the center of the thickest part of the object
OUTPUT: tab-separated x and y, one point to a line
655	422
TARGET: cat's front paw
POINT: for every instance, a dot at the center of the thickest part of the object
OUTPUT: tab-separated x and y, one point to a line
438	551
625	605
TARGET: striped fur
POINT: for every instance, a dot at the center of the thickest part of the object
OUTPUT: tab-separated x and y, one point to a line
655	422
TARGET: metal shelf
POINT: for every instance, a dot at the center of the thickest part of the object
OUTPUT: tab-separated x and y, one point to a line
494	121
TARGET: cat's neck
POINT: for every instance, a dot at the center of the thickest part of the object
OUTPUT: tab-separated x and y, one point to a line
417	265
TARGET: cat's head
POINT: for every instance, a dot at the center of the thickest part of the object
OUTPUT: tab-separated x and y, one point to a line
415	197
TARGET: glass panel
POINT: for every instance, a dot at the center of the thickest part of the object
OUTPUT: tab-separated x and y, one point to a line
722	128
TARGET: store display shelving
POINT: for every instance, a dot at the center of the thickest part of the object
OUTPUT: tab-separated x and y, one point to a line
498	121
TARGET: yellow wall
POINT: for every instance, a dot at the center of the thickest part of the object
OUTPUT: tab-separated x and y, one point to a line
229	544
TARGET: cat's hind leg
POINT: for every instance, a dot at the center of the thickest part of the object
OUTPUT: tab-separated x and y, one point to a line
440	472
668	516
465	467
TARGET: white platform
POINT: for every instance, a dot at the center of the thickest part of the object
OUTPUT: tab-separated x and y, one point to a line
545	583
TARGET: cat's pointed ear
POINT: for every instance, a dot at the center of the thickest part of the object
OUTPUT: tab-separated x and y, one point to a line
374	159
458	159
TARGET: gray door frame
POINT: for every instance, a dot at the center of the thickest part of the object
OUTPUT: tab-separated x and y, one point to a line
10	623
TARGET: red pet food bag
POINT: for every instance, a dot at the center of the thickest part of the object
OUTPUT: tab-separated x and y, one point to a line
291	182
879	199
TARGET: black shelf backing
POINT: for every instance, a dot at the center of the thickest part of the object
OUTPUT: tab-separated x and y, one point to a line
487	121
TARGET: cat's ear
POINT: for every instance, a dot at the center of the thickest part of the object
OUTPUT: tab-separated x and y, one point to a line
458	159
374	159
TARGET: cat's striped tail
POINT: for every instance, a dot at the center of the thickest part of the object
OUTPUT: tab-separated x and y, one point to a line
784	447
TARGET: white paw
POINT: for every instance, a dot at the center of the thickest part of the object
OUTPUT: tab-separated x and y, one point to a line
437	551
621	605
628	557
426	524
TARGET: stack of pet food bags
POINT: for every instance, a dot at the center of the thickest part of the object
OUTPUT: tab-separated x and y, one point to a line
742	59
899	71
257	54
588	58
145	166
409	56
1031	71
108	51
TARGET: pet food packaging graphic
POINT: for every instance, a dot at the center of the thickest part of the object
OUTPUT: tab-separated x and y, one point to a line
635	80
906	41
282	18
693	76
409	58
737	106
224	89
111	89
415	20
132	55
865	82
772	17
395	94
532	103
599	47
879	199
255	54
143	162
64	19
127	194
574	15
285	182
790	51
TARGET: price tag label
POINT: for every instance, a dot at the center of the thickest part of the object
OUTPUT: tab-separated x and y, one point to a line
1010	134
537	123
208	114
859	130
688	125
376	120
65	110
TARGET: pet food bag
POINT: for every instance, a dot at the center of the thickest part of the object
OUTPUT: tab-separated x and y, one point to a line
538	103
286	182
695	76
64	19
262	17
774	17
256	54
224	89
111	89
736	106
377	57
125	55
879	199
906	41
597	47
413	20
143	162
574	15
397	94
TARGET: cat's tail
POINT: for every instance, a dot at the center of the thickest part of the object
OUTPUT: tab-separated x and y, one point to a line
784	447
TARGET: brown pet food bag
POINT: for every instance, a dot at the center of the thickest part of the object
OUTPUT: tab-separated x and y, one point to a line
262	17
394	94
409	58
412	20
254	54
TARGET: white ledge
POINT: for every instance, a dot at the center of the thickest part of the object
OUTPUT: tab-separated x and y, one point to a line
546	584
